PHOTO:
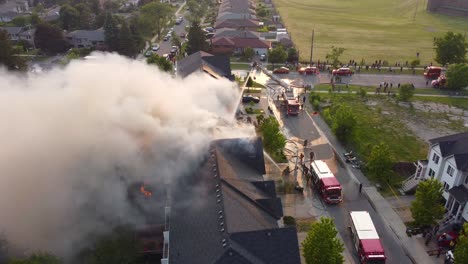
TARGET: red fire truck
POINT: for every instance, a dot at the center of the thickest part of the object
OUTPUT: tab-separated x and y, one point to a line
365	238
325	182
290	102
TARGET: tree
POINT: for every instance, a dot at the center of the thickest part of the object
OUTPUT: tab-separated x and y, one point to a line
85	17
7	56
162	63
451	48
457	76
111	32
277	55
21	21
249	53
273	139
120	246
249	82
175	40
35	19
197	39
322	245
37	258
406	92
427	207
158	14
335	55
344	122
380	161
69	17
127	45
49	38
460	254
292	55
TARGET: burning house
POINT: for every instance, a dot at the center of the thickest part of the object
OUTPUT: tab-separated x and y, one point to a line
224	212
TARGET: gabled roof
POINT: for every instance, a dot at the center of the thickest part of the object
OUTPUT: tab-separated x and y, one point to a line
231	15
215	65
92	35
225	213
237	6
235	33
12	30
456	145
237	23
223	41
460	193
252	43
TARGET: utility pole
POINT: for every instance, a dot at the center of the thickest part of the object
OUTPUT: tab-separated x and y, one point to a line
312	47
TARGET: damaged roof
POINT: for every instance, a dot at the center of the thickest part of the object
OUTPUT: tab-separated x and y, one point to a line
226	213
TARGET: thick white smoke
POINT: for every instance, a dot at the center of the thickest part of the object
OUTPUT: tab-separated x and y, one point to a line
64	135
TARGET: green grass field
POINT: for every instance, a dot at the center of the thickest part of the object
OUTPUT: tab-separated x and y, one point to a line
368	29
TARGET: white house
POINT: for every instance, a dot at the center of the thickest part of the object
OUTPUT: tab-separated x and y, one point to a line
448	163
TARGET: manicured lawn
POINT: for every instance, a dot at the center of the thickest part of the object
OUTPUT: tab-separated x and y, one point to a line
240	66
368	29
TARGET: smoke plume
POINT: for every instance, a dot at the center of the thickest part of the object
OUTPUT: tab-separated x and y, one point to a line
73	138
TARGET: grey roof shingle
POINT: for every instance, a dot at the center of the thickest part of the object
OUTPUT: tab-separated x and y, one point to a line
236	200
203	61
12	30
460	193
92	35
235	33
456	145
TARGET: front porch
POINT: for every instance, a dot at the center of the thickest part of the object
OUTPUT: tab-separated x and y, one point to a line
410	184
455	205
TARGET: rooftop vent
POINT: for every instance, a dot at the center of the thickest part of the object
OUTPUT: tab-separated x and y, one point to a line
223	240
217	190
218	195
222	230
224	245
221	224
218	201
220	217
217	185
220	212
215	175
269	234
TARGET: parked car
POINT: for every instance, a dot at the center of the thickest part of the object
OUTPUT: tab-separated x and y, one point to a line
281	70
263	57
155	47
308	70
182	35
342	72
174	49
209	29
440	82
166	38
249	98
148	53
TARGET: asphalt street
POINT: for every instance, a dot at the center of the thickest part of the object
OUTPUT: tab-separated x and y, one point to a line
165	46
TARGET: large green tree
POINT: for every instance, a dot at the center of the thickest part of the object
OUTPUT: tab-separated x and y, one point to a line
127	45
249	53
86	16
120	246
292	55
37	258
322	245
277	55
158	14
344	122
457	76
69	17
380	161
162	63
460	253
273	139
335	55
49	38
451	48
406	92
111	32
196	39
7	56
427	208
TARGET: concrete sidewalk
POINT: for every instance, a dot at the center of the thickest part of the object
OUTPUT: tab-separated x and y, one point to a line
412	248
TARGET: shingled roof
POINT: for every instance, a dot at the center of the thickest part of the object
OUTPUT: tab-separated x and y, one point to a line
215	65
225	213
455	145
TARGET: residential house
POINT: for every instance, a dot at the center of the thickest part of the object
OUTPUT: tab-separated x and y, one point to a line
234	45
245	24
224	212
87	39
235	33
20	33
231	15
237	6
217	66
447	161
13	8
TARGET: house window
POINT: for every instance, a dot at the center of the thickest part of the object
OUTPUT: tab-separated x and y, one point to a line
431	173
435	158
446	186
450	170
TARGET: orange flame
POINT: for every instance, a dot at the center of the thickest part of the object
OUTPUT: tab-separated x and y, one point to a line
146	193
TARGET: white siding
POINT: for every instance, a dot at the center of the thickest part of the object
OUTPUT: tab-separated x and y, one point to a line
431	164
465	213
260	51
